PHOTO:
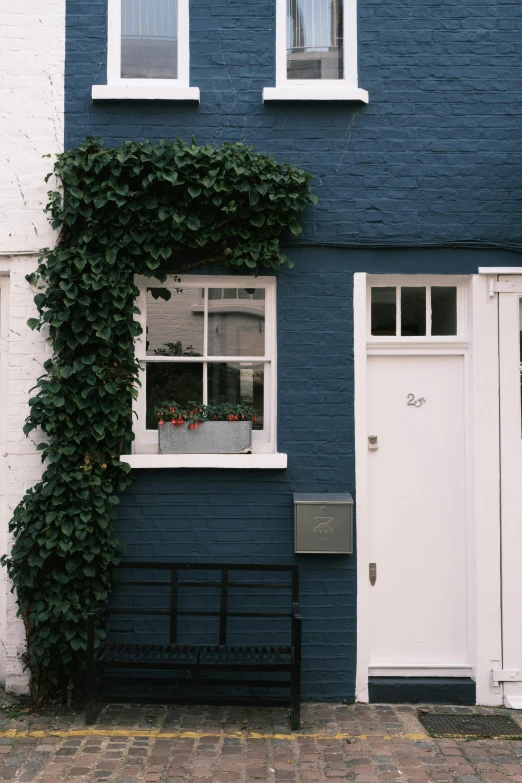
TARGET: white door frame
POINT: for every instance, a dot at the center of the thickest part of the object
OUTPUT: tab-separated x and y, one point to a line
483	523
495	285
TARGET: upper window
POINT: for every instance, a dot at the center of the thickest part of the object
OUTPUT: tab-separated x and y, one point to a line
316	51
414	309
208	342
147	51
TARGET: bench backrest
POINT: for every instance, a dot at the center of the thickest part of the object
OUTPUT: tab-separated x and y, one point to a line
273	589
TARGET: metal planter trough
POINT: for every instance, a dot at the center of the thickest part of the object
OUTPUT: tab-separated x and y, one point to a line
211	437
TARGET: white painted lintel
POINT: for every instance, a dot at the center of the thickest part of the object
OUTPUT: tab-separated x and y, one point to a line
249	461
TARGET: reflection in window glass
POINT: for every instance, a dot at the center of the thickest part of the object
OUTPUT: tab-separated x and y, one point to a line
413	311
149	39
236	322
237	384
172	382
174	321
443	310
384	311
314	39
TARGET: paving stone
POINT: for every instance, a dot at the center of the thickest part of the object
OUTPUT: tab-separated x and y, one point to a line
378	750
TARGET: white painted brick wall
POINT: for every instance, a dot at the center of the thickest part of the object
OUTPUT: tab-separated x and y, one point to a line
31	125
20	463
31	116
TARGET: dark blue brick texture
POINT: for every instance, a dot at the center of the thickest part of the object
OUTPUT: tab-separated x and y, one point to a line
435	156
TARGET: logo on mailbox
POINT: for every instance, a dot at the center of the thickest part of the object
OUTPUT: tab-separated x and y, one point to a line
323	525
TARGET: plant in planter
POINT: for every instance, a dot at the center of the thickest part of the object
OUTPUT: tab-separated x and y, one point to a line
205	429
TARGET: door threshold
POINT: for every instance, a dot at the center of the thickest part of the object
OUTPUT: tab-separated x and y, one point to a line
422	690
420	670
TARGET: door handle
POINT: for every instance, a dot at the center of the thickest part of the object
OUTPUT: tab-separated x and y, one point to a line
373	573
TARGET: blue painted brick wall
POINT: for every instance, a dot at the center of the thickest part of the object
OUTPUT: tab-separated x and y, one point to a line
434	156
247	516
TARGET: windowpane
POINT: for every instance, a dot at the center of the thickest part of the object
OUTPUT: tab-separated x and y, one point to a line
236	322
172	382
314	39
384	312
237	384
174	321
413	311
443	310
149	39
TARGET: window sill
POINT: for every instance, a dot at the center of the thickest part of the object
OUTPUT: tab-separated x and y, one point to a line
144	92
249	461
292	93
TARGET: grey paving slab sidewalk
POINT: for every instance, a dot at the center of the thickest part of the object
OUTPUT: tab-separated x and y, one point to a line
337	743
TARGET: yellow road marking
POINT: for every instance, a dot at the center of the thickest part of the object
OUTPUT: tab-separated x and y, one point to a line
160	734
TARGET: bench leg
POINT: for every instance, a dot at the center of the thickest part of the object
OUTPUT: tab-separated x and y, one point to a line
92	708
295	690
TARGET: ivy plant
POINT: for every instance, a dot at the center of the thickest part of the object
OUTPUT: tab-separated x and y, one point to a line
141	208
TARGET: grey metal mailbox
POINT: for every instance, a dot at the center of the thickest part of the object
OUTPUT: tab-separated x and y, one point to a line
323	523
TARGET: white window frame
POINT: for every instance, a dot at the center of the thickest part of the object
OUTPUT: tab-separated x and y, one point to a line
263	441
161	89
346	88
418	281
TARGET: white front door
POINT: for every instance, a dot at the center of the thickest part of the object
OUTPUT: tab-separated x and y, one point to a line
418	623
510	334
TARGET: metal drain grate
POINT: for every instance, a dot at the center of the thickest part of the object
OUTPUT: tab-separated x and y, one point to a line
440	724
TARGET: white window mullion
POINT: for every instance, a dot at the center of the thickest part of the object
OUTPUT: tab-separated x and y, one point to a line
205	344
205	321
398	314
183	35
114	31
205	383
428	311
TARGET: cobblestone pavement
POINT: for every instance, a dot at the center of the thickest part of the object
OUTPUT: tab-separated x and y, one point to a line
337	743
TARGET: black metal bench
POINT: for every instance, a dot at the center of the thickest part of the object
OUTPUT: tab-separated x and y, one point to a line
169	598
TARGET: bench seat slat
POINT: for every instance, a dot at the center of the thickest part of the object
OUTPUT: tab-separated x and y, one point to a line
184	655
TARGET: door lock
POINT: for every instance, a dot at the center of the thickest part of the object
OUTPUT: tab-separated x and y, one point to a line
373	445
373	573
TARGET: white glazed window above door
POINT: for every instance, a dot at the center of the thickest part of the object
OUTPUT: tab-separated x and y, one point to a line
414	311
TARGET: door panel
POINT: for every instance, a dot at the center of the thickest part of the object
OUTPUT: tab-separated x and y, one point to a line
417	510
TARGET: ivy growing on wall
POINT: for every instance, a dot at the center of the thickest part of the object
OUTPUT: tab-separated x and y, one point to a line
141	208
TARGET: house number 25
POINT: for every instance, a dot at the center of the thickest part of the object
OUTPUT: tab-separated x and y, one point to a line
414	402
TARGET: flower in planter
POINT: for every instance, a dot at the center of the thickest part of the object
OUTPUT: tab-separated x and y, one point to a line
197	414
